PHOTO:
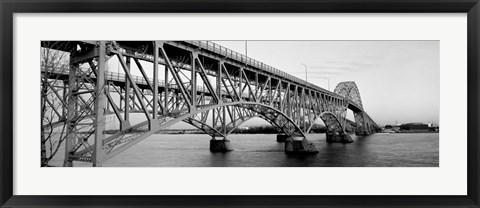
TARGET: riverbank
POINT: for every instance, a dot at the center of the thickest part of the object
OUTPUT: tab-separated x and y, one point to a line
273	131
242	130
408	131
194	131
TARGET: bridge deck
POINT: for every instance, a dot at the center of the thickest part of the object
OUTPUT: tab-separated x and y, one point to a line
217	50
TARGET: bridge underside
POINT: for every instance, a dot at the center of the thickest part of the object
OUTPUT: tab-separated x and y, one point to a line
200	83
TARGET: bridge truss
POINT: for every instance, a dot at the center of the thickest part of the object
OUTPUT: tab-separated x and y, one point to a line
197	82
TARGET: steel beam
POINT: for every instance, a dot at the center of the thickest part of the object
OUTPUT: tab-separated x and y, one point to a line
99	155
155	80
193	83
70	137
127	93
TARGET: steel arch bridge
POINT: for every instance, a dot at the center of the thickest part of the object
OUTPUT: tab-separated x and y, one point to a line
198	82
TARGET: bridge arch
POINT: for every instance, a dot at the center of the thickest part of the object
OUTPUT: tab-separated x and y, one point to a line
331	122
272	114
207	129
276	118
350	91
241	121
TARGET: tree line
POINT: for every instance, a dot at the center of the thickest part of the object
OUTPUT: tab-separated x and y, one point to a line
267	129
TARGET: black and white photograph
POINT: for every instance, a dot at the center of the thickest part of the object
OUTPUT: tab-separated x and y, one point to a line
240	103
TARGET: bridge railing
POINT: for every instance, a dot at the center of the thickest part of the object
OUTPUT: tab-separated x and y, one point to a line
241	58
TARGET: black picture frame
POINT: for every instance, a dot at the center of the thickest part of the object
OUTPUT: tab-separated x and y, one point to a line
9	7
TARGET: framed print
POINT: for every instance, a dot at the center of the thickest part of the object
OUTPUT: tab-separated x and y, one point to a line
245	104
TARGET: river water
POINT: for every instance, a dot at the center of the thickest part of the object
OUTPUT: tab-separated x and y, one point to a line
262	150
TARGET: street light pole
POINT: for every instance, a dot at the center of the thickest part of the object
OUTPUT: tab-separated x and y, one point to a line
246	48
328	82
305	71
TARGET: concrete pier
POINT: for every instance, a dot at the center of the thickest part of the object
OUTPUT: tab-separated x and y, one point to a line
299	146
339	138
220	145
281	137
363	133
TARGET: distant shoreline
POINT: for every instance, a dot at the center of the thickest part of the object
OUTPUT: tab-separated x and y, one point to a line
200	132
196	131
410	131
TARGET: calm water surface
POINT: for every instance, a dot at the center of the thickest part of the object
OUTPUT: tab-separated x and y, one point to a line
262	150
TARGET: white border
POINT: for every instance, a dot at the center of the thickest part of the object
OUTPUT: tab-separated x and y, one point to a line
449	179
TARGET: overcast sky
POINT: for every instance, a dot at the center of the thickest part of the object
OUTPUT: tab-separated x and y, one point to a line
398	80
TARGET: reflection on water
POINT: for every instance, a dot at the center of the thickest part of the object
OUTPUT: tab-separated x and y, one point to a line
262	150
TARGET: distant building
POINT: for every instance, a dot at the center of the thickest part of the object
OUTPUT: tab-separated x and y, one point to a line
414	126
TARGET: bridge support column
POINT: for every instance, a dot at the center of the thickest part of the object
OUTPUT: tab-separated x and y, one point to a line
281	137
220	145
363	131
99	155
336	137
299	146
